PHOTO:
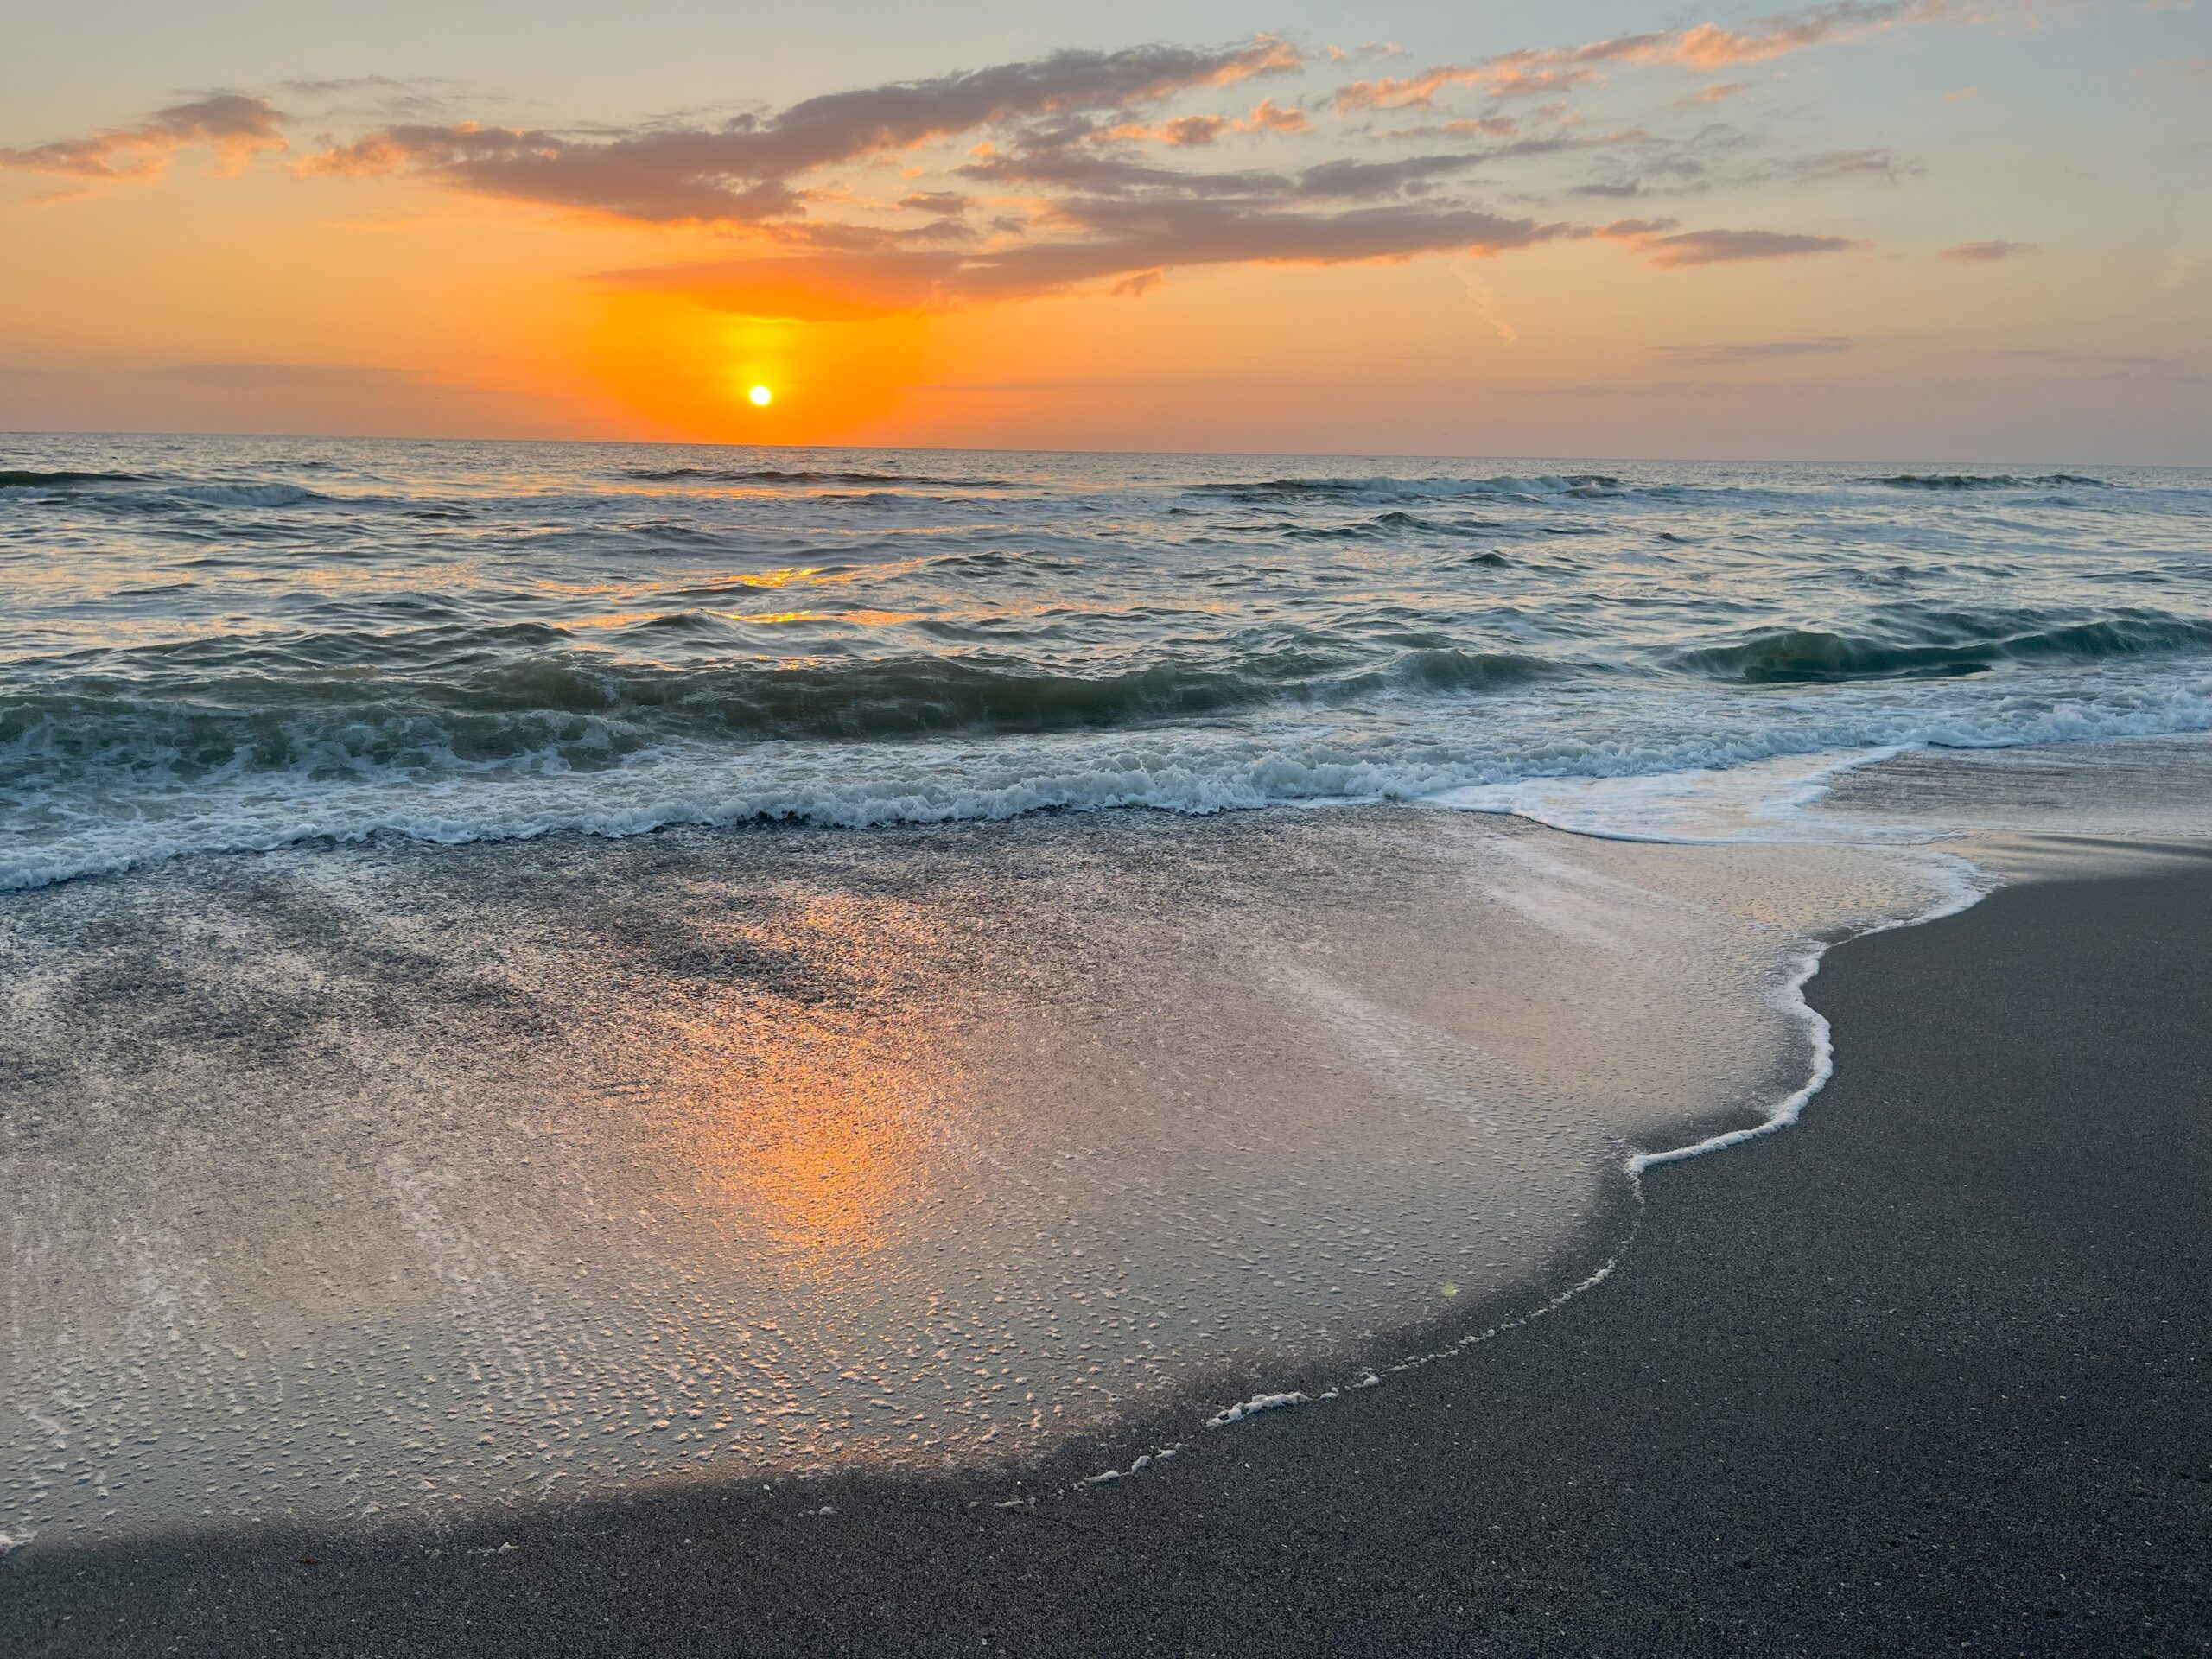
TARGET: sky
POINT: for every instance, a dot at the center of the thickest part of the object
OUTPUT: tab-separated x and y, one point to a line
1967	229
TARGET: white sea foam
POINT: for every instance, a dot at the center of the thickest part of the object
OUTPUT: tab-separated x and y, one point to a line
1680	785
1255	1406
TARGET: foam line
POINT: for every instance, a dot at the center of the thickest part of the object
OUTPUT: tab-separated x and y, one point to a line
1960	886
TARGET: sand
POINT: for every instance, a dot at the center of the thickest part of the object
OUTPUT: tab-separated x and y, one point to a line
1928	1372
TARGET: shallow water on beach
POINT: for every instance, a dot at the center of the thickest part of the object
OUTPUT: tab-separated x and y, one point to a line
374	1146
376	1182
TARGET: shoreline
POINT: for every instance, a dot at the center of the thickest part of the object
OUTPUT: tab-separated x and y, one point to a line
1692	1417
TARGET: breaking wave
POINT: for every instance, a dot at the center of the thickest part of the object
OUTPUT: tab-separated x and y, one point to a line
1807	656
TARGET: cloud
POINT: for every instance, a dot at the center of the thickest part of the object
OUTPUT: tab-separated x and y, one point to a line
1188	131
741	172
232	125
1704	45
1719	91
1754	351
1984	253
388	97
2114	365
273	376
1658	165
1686	248
1850	164
1080	171
1130	242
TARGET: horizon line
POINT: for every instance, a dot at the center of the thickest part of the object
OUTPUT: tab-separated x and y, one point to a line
993	450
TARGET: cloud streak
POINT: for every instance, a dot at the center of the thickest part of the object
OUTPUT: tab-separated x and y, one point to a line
1131	243
234	125
1753	352
1686	248
1532	71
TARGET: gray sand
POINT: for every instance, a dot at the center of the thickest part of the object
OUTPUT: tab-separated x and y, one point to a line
1926	1373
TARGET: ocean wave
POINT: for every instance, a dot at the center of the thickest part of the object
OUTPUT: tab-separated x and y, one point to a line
876	786
1385	525
168	493
1576	484
213	715
1987	482
245	495
1804	656
774	475
21	479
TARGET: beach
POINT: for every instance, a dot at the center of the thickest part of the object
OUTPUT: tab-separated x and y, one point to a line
854	830
1924	1372
664	1048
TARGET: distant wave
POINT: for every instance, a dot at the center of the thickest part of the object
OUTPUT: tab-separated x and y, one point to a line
1806	656
19	479
1576	484
1987	482
774	475
167	493
245	495
1384	525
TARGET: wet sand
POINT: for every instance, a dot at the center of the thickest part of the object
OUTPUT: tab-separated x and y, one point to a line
1928	1372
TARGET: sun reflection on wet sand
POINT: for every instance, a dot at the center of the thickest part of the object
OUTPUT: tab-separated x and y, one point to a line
417	1180
805	1132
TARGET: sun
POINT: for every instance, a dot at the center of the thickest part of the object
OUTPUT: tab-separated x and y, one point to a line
762	397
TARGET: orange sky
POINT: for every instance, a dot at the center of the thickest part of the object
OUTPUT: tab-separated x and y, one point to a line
1528	247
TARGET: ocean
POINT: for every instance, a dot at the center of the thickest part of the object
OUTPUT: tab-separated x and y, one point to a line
537	969
213	644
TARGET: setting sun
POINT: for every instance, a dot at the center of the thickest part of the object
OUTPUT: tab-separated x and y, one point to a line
762	397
